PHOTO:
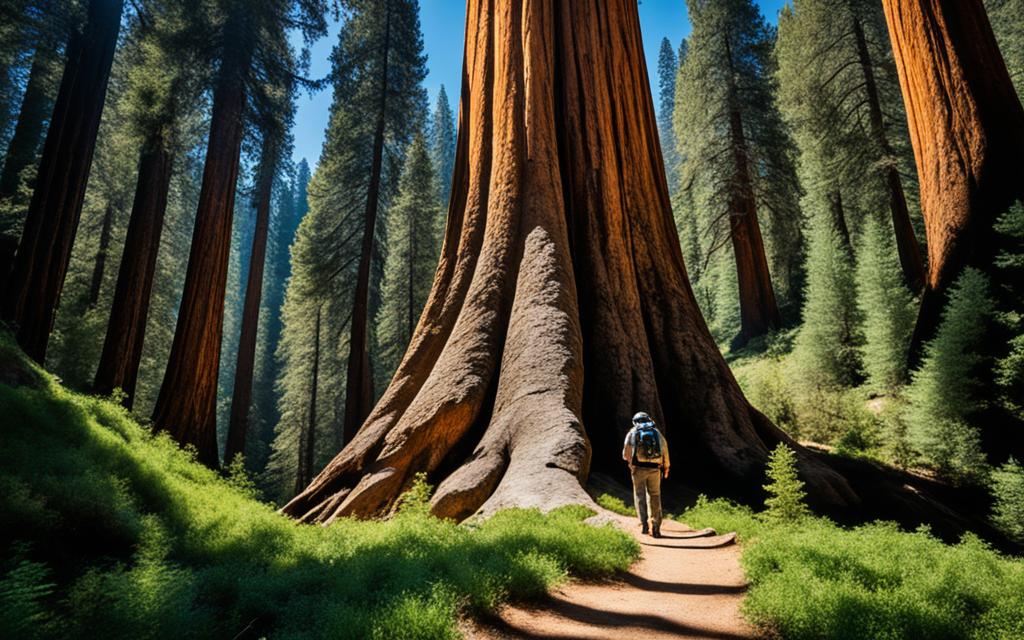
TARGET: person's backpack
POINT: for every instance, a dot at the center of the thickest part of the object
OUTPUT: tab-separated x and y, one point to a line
647	447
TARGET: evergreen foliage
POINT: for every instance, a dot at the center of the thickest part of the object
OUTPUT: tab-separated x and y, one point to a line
945	393
1007	18
1008	491
668	69
786	491
732	34
827	346
887	307
442	149
411	258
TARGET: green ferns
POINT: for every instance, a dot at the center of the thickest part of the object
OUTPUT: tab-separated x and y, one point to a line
118	530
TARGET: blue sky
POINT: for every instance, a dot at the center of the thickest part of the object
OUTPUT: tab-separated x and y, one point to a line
443	23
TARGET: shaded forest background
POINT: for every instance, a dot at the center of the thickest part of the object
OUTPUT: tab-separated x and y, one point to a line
812	293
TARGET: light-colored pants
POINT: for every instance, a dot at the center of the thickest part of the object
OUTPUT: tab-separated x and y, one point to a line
647	486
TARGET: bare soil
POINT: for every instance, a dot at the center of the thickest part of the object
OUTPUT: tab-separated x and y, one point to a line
687	584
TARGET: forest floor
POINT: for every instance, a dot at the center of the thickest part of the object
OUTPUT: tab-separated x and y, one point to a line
687	584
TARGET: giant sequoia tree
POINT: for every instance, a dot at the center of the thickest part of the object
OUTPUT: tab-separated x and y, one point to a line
560	257
967	129
37	276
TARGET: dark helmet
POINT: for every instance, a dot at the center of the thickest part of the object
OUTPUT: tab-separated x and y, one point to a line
641	418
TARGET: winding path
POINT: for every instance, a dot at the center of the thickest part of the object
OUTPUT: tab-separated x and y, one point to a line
687	584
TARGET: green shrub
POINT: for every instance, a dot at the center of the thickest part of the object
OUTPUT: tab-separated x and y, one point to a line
615	505
786	491
945	392
142	542
1008	491
818	580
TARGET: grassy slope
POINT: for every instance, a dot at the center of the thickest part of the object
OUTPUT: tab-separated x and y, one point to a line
110	530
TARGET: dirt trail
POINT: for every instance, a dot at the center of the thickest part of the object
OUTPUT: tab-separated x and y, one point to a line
687	584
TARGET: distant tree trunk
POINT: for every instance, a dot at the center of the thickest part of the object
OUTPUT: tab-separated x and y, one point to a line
307	441
906	242
839	220
186	406
560	257
100	264
41	263
126	329
28	132
241	399
967	129
759	311
359	378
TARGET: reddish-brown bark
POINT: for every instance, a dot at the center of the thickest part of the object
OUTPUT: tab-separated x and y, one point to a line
906	241
41	263
759	310
187	404
967	129
359	376
560	256
126	329
241	398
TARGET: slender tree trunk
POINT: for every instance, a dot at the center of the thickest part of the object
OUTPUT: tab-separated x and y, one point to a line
759	311
100	264
411	289
359	378
967	128
307	444
28	132
241	399
41	263
187	404
839	220
906	241
126	329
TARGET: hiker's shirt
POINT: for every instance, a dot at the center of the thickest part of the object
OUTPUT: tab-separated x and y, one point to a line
629	446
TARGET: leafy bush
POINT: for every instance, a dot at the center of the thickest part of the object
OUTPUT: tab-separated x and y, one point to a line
786	490
817	580
945	392
142	542
615	505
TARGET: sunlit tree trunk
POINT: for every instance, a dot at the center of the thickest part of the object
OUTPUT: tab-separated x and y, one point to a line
187	404
44	252
560	257
246	359
967	129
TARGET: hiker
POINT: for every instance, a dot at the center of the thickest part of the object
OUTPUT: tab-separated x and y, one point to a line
646	452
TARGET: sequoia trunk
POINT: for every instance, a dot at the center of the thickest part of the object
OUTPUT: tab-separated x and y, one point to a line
561	257
187	404
906	242
241	398
359	377
126	329
100	264
41	263
967	129
35	103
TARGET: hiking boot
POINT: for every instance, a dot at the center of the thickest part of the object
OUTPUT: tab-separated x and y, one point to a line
657	531
643	528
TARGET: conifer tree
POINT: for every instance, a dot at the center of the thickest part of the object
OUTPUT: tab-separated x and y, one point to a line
1008	491
1007	18
668	69
887	307
411	256
786	491
946	394
739	159
442	147
827	346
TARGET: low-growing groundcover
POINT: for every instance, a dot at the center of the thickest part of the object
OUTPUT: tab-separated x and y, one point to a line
108	530
814	579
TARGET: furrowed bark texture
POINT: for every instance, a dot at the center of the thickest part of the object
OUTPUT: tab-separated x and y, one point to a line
560	256
967	129
126	329
906	242
241	398
187	404
41	263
